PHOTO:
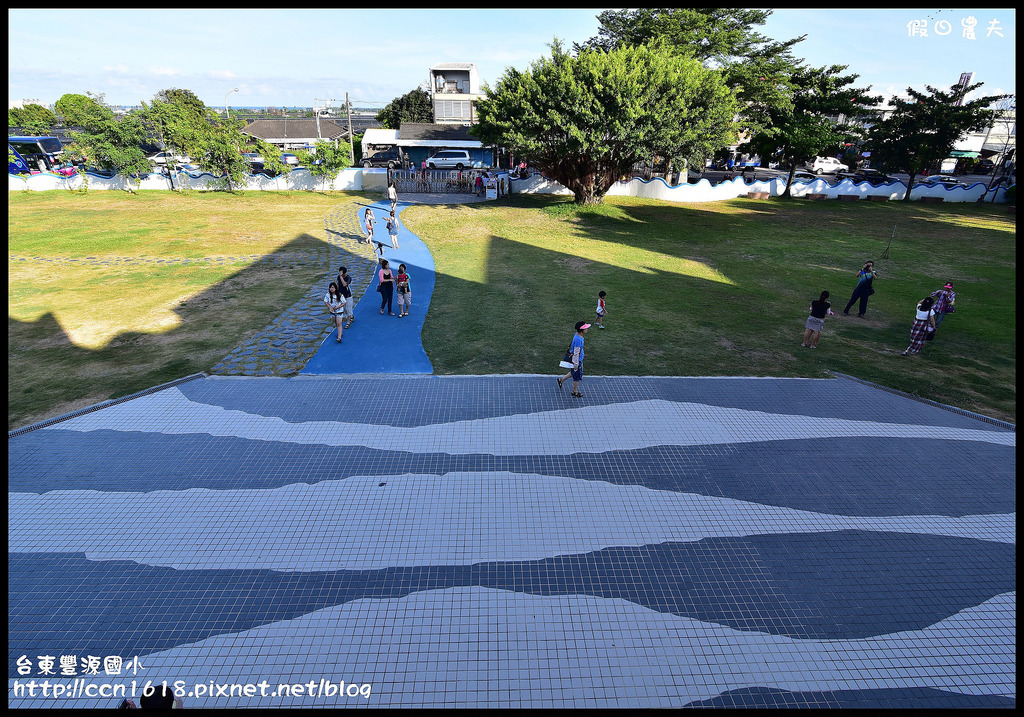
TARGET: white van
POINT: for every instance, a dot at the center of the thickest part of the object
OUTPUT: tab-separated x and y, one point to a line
453	159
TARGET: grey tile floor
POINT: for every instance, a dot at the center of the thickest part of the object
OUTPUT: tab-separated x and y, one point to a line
402	541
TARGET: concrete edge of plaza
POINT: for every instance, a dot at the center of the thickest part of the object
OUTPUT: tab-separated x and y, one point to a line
170	384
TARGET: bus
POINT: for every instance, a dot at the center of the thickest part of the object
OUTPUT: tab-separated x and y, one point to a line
32	155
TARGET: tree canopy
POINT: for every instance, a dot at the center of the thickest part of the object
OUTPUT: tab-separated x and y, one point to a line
922	130
803	126
104	141
585	119
33	119
413	106
327	159
754	66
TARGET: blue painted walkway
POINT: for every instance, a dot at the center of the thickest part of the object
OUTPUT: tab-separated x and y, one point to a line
384	344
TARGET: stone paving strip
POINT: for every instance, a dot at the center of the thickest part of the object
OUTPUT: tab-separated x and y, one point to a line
285	345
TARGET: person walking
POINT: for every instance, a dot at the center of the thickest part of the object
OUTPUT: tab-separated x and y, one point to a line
863	289
336	305
819	308
393	229
945	299
601	309
576	357
924	323
392	196
369	222
402	289
386	286
343	286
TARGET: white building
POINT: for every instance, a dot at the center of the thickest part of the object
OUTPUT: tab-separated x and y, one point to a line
454	88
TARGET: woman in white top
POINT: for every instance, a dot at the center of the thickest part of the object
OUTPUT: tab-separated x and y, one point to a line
924	324
336	305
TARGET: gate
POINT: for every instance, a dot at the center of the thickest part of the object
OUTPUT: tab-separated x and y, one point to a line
433	181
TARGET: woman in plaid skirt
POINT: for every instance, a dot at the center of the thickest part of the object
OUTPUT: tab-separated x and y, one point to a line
924	323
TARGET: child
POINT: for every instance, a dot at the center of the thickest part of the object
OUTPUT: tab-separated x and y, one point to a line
601	309
404	295
368	220
393	229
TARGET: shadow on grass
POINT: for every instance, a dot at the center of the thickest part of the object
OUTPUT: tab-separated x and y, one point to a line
49	374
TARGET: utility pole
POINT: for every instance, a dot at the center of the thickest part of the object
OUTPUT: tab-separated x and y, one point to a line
351	140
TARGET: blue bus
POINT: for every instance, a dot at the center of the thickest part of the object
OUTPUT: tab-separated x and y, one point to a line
32	155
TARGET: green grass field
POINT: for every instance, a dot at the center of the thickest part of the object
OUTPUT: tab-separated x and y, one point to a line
693	290
85	326
722	290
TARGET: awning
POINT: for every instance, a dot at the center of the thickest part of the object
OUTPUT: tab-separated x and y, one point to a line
964	153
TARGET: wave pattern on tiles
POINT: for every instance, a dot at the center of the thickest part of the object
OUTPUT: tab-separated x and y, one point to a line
725	543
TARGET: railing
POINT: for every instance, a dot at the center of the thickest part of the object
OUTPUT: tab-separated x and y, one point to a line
434	181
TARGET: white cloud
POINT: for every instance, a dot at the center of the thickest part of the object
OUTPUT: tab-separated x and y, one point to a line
168	71
221	74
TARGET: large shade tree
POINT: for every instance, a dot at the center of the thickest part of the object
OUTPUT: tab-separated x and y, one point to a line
923	129
807	124
585	119
186	125
720	38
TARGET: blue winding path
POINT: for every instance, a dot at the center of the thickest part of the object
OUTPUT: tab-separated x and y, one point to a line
384	344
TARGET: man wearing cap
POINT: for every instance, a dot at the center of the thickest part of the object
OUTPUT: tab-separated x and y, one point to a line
945	299
576	351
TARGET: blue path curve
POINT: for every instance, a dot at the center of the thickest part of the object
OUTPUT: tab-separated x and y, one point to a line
384	344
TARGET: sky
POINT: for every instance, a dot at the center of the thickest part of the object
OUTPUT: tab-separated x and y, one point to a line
291	58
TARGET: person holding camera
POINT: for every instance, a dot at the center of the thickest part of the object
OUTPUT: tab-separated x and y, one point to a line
863	289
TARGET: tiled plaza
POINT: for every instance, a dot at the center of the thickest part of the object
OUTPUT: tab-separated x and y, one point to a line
491	541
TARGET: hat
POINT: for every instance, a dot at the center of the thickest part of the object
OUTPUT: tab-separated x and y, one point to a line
580	325
949	285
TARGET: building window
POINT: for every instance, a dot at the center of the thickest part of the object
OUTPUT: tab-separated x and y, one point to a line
452	110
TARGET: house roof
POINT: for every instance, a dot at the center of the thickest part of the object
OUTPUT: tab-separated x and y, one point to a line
380	136
435	132
294	128
453	66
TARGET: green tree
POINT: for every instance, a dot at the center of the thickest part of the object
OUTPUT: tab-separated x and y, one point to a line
33	119
219	149
326	160
922	131
413	106
720	38
584	120
105	141
803	126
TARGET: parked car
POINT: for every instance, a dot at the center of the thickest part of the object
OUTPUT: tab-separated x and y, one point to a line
827	165
289	159
389	158
871	176
162	158
801	176
984	166
943	179
453	159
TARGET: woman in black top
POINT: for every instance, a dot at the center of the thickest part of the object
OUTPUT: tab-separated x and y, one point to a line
816	321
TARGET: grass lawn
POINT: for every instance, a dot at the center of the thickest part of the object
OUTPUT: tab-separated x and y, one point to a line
722	289
88	321
693	290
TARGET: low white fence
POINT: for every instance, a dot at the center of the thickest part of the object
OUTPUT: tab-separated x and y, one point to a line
348	179
704	191
376	179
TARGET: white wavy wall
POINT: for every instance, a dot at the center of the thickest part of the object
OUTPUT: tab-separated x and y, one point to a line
355	179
